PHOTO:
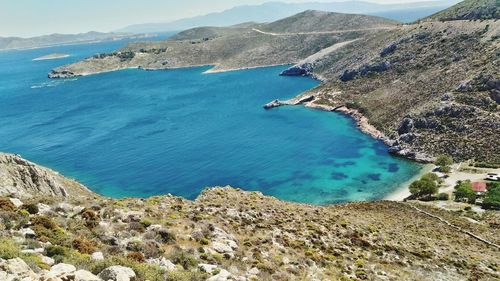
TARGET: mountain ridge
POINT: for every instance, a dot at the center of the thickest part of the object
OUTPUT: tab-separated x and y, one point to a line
272	11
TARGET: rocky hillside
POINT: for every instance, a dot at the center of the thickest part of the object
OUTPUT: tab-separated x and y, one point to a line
230	234
431	87
470	10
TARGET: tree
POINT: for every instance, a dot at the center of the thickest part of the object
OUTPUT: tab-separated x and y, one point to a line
492	196
431	177
423	187
444	162
463	190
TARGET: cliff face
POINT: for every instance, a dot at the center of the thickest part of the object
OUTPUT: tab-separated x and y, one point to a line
230	234
23	179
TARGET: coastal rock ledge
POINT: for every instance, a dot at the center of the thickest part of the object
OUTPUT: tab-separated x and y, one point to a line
225	234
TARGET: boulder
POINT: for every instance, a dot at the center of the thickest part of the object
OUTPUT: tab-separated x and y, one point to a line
83	275
117	273
208	268
27	233
223	275
16	267
163	263
18	203
47	260
62	269
97	256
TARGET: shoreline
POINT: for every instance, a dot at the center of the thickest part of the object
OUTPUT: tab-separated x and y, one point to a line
402	192
215	70
51	57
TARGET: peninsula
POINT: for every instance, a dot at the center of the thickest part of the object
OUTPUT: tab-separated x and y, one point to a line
52	57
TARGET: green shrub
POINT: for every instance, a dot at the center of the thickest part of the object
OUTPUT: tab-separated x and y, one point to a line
492	196
423	187
182	258
443	196
52	251
9	249
31	208
463	190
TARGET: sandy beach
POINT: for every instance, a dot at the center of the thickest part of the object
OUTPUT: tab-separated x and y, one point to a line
402	191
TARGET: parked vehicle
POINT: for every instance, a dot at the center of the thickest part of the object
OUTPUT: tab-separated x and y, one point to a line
493	177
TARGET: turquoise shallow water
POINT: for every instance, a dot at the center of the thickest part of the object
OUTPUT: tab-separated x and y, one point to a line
140	133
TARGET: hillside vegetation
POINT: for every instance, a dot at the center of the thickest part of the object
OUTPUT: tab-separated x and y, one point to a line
470	10
431	87
230	234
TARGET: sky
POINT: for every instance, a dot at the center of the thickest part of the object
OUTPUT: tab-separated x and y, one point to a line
26	18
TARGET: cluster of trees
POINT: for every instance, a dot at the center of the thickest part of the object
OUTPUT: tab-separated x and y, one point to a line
492	197
491	200
426	187
463	190
444	162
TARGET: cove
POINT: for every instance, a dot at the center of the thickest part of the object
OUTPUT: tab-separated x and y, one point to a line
141	133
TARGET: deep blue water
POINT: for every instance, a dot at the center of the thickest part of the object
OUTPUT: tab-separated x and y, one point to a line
141	133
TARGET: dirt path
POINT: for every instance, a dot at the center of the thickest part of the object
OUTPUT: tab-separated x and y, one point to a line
323	32
456	227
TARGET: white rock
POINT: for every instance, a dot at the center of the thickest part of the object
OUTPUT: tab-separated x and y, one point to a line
221	248
223	275
62	269
18	203
208	268
78	209
254	271
97	256
43	209
83	275
47	260
16	266
117	273
155	227
33	251
27	232
163	263
65	207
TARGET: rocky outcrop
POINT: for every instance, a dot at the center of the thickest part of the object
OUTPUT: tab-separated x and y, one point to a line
61	74
23	179
294	101
349	75
298	70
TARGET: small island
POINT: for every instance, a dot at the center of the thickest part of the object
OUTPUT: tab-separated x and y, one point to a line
52	56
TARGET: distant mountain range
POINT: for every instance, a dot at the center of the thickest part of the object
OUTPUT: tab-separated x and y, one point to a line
8	43
272	11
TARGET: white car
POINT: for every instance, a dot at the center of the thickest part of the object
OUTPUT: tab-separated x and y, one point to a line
493	177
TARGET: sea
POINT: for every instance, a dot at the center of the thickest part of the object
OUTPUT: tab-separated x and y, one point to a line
136	133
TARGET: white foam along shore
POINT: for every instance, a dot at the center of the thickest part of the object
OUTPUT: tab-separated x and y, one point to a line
52	57
403	190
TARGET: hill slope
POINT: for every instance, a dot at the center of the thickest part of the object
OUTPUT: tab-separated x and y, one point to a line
470	10
229	234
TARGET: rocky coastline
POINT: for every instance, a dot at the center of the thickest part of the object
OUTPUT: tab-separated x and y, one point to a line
362	122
